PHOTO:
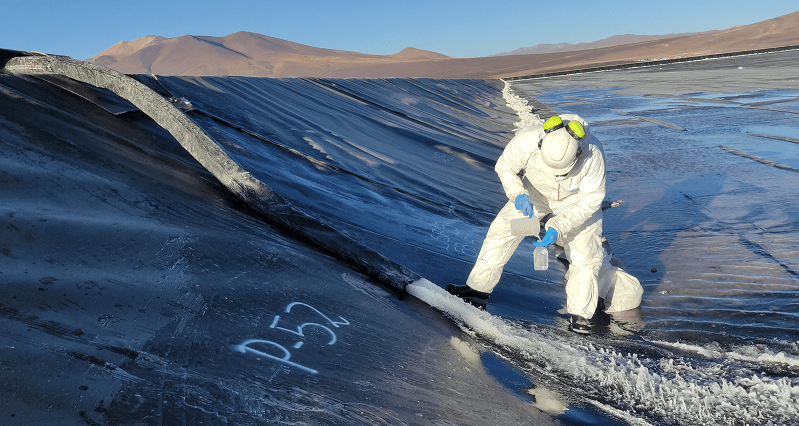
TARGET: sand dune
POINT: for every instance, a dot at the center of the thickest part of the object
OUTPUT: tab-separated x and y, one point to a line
250	54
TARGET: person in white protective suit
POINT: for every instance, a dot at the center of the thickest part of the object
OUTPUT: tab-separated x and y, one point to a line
556	169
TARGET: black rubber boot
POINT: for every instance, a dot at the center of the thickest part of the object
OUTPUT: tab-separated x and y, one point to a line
478	299
579	325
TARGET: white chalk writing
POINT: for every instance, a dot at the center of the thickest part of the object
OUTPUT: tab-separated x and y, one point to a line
258	346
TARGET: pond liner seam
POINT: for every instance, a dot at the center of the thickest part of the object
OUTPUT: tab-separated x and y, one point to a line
759	159
779	138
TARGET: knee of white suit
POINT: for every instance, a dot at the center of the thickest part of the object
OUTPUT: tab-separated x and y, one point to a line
620	290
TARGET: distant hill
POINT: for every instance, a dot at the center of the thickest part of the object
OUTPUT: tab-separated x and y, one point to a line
605	42
241	53
250	54
410	52
124	49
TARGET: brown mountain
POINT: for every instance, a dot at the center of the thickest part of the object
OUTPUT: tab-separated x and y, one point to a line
250	54
605	42
241	53
124	49
410	52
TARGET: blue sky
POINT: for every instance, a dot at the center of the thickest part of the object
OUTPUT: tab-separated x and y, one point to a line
464	28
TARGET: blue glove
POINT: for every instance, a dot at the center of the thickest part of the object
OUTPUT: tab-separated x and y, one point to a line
524	205
548	239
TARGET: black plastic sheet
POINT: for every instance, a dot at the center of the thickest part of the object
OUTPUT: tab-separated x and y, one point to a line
138	289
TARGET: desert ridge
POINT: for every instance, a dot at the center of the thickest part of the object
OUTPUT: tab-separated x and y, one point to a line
257	55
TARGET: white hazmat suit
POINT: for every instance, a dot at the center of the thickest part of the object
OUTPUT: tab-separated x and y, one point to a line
575	202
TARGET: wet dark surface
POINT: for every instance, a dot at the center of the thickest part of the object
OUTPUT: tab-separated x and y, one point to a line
708	224
137	290
718	227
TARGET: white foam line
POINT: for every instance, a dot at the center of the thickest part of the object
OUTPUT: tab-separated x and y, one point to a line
746	353
525	112
670	389
479	321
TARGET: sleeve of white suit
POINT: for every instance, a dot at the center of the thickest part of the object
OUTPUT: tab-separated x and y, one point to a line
513	160
589	197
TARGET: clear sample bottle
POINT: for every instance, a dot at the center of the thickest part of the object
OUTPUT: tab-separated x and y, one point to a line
541	258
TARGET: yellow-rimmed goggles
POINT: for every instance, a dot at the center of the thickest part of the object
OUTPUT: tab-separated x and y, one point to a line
574	127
